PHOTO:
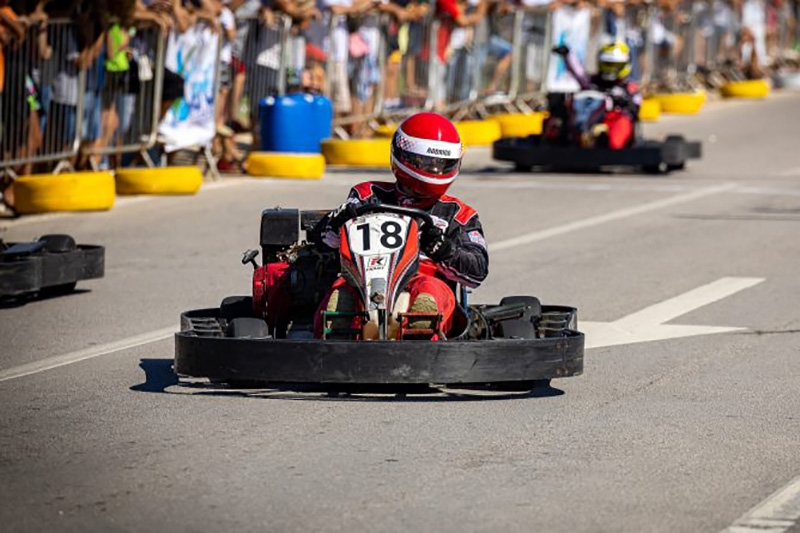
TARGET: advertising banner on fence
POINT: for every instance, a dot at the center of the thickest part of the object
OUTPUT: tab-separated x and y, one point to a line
570	27
190	121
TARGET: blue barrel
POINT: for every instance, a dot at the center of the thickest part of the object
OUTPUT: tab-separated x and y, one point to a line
285	124
322	118
295	123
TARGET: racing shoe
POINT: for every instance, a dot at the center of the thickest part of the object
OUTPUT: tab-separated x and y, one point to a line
425	304
341	312
600	134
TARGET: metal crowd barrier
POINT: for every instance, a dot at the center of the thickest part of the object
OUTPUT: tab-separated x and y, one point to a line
265	57
122	115
42	101
54	111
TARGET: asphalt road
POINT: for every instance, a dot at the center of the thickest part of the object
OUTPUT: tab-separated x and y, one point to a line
682	434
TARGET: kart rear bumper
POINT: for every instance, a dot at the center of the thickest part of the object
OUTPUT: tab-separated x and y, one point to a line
202	351
528	152
35	272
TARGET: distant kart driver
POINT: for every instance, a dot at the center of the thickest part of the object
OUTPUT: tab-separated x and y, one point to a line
612	78
426	159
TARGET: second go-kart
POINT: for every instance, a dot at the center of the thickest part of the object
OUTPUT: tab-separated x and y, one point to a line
516	342
580	144
49	266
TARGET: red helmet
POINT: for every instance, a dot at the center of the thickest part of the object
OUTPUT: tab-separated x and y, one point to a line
426	155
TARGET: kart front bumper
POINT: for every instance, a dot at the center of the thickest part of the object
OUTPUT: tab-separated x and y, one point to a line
202	351
32	273
529	152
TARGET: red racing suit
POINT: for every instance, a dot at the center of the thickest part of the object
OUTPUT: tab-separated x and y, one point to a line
467	263
625	94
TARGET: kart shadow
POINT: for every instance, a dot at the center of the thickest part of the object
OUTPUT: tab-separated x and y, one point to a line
13	302
160	378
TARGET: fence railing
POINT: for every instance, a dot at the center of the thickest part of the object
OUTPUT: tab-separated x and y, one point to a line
66	106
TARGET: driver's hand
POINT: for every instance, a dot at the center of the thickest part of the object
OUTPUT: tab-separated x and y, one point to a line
561	50
349	210
434	243
343	213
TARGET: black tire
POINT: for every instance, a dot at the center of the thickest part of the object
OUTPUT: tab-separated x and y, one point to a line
236	307
679	166
58	243
660	169
520	167
516	329
675	138
535	306
522	386
249	328
59	290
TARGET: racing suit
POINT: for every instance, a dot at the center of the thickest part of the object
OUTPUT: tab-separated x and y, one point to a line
625	94
466	262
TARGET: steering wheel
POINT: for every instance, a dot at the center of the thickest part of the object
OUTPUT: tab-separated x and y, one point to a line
425	218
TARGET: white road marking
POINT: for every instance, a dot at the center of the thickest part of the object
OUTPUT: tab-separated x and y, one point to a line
648	324
608	217
778	513
88	353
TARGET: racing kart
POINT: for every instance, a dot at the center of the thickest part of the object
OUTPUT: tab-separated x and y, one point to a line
580	143
518	342
49	266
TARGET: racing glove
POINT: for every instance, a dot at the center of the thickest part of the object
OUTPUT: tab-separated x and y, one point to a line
561	50
435	244
349	210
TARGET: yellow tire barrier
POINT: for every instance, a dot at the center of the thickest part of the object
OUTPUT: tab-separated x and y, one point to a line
286	165
78	191
386	130
371	153
650	111
520	125
478	132
681	103
159	181
745	89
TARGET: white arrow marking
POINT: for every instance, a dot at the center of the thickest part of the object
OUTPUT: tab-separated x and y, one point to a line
648	324
777	514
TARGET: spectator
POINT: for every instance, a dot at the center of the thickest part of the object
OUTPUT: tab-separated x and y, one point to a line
391	72
12	34
491	36
417	33
451	16
536	51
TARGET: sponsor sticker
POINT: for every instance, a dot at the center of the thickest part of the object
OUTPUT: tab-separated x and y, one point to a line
440	223
476	237
376	262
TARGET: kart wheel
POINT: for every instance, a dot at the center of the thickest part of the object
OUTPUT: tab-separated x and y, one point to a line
679	166
249	328
58	243
661	168
675	138
535	306
521	167
522	386
59	290
236	307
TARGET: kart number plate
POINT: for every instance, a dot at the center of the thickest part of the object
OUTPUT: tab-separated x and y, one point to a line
377	234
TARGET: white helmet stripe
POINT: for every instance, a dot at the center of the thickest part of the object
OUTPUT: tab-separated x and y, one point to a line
428	147
420	177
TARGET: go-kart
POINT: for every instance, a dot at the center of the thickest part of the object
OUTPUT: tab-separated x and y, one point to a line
49	266
580	141
518	342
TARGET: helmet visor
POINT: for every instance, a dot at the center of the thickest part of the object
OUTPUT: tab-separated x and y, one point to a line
609	68
437	166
